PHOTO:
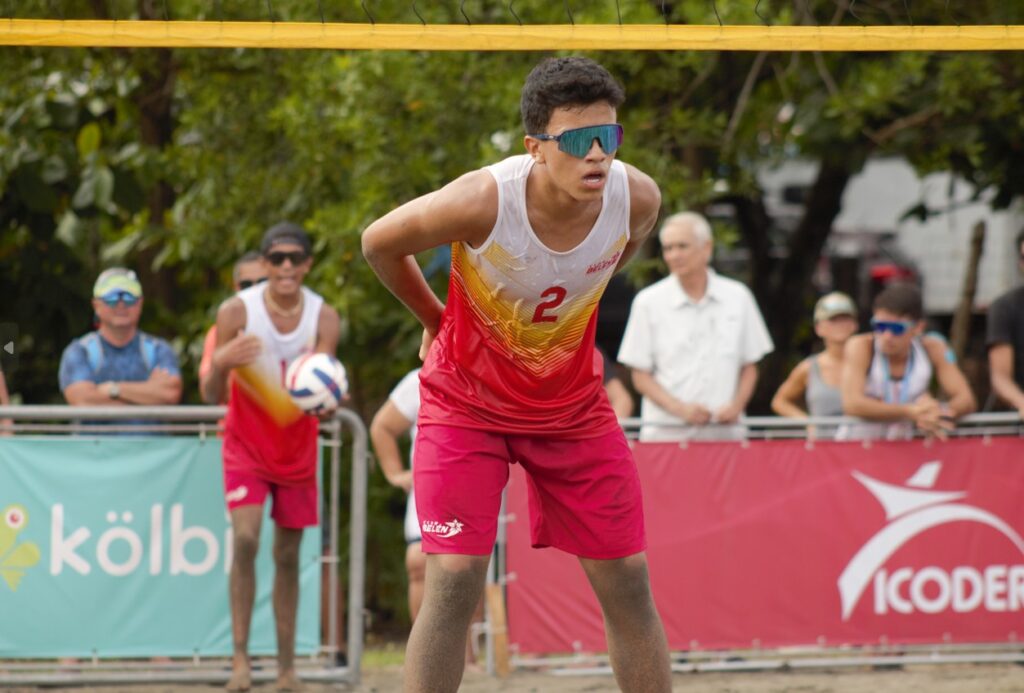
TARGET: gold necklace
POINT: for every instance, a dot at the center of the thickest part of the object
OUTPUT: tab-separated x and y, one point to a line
273	305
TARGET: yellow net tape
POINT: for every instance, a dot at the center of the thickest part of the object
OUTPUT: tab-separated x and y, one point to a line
490	37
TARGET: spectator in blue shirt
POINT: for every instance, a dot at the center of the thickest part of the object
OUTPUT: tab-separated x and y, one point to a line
118	364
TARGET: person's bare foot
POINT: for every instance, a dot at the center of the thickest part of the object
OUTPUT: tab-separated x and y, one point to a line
288	682
241	679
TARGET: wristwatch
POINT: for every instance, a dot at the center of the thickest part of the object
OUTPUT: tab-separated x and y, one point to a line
114	390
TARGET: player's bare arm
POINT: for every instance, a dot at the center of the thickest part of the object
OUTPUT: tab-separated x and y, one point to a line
1000	366
388	425
644	206
328	330
791	393
856	360
951	379
233	349
464	210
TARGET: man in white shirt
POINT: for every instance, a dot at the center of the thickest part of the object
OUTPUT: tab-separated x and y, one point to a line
693	341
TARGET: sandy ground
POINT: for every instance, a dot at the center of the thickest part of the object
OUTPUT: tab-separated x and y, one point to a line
1001	678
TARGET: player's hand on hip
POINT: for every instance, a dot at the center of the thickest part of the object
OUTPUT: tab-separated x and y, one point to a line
239	351
428	339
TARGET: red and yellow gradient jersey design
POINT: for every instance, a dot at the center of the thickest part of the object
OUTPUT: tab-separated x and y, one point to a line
265	434
515	349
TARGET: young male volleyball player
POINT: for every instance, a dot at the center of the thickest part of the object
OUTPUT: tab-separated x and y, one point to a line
269	445
509	373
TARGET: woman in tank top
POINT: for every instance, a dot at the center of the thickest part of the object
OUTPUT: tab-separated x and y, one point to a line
814	382
887	374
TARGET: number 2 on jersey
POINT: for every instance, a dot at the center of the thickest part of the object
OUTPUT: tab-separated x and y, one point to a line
557	295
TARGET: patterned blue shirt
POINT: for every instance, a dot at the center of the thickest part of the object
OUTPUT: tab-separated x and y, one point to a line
117	363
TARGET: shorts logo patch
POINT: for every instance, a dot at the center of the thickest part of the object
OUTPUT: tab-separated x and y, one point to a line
443	530
236	494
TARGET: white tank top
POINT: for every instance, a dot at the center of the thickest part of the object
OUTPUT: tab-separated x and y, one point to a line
917	376
280	349
522	262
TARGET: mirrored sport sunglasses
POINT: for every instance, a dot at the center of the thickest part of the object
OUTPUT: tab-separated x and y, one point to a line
897	327
277	257
112	299
246	283
578	141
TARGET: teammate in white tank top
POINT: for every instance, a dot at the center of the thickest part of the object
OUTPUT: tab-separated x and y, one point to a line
269	446
887	375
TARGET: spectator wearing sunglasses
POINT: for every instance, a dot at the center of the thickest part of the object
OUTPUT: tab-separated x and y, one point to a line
693	341
270	448
248	271
887	374
1005	341
118	364
509	372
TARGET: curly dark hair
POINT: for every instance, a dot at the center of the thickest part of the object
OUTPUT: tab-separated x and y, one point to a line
558	82
901	298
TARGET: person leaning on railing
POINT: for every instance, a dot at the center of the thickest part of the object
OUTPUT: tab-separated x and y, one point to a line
119	364
1005	340
814	383
887	374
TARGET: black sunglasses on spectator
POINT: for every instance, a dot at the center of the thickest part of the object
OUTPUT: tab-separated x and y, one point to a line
277	257
246	283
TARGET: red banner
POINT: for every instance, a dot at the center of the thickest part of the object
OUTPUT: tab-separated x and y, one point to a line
774	544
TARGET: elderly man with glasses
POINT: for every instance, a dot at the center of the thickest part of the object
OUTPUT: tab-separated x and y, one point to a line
118	364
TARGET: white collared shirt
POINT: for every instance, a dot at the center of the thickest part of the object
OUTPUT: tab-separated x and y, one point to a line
694	349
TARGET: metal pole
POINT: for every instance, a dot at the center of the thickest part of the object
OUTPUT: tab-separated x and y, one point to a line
332	577
357	545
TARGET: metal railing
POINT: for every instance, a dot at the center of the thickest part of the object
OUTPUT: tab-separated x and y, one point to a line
764	428
206	421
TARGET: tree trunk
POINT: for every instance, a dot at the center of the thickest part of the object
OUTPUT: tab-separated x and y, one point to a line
783	305
961	326
154	98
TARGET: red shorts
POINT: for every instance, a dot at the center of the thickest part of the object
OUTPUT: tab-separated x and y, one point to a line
294	507
584	495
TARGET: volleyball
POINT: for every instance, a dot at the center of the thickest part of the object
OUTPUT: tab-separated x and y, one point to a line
316	382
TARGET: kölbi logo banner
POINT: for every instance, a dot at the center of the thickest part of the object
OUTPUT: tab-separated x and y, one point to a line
120	546
773	544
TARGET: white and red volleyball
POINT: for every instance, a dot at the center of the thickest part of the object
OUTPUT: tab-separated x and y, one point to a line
316	382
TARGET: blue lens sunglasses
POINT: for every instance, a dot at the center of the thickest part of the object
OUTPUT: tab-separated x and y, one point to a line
112	299
578	141
897	327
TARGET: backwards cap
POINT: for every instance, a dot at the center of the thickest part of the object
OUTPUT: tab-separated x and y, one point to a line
285	232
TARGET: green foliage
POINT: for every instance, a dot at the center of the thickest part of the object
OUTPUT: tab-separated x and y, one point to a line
334	139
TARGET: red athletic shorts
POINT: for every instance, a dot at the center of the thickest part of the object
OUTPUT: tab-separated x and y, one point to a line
584	495
294	507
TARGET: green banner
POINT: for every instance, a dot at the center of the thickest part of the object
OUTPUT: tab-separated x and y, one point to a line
120	547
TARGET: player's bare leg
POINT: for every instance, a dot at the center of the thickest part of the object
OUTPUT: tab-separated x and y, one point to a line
435	656
636	640
286	601
245	543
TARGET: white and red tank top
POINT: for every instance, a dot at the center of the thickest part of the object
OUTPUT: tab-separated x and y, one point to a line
265	433
515	349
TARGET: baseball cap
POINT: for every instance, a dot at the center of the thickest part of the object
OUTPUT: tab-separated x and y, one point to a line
833	304
285	232
117	279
